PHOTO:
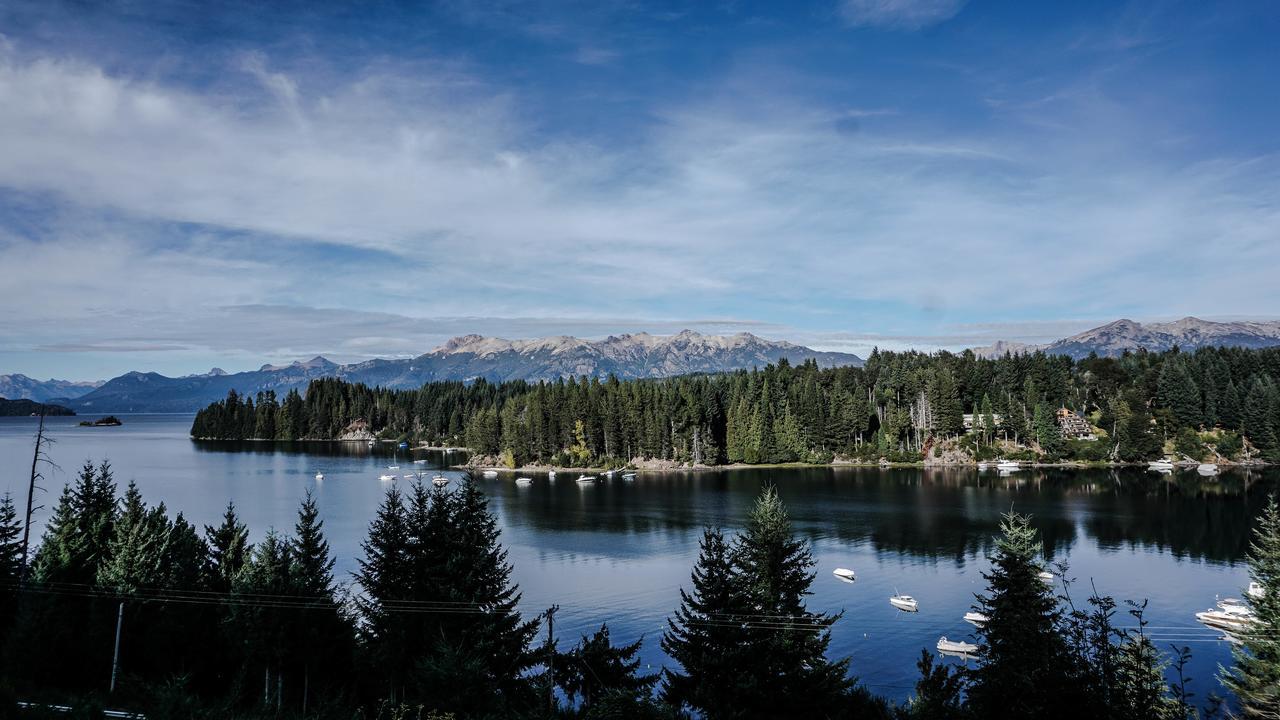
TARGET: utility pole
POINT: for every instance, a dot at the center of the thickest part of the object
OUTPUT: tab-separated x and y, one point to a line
115	656
551	659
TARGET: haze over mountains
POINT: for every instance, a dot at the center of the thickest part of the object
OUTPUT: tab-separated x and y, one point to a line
466	358
1114	338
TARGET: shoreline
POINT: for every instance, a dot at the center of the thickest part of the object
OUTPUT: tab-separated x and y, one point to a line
852	465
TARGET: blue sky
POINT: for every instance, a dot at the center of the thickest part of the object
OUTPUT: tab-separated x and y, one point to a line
187	184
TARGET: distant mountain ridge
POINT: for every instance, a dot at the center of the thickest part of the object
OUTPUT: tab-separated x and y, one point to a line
467	358
21	387
1115	338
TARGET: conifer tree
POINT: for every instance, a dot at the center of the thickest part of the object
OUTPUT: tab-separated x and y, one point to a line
595	668
1021	664
787	670
10	564
706	637
1254	677
228	550
385	576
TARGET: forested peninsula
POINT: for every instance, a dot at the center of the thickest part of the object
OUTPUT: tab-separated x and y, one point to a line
1216	404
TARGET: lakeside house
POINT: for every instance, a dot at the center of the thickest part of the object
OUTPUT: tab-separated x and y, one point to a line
1073	426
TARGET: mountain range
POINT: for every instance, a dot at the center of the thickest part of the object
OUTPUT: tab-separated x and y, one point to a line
465	358
1114	338
21	387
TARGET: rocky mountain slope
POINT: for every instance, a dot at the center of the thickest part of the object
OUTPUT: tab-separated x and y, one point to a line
467	358
21	387
1114	338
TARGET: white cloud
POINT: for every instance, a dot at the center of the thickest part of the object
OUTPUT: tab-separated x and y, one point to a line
899	14
416	197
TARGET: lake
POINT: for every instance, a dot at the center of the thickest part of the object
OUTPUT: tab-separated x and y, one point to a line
618	552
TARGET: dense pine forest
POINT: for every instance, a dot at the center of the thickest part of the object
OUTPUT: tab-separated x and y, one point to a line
219	627
1217	403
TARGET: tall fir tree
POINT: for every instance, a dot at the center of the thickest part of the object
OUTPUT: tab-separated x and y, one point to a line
595	669
1254	677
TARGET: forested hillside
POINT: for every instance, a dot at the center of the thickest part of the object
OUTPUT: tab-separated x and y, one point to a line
1218	402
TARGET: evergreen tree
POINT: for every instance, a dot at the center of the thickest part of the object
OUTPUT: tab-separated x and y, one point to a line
939	692
10	564
228	550
1255	674
321	641
385	576
595	668
1179	393
1022	657
787	670
706	637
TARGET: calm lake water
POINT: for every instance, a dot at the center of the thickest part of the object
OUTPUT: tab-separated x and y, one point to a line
618	552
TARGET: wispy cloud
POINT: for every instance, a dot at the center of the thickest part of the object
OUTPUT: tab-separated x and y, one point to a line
899	14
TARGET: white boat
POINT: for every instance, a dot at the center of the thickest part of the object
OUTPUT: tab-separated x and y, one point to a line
629	476
844	574
1207	469
319	476
905	603
370	443
586	479
1231	603
524	481
551	474
440	481
1046	576
1236	619
490	474
393	467
1255	590
409	477
1008	465
423	461
984	465
1160	465
955	647
386	477
976	618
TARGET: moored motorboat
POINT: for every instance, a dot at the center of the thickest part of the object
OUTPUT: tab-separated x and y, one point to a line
955	647
319	476
1207	469
984	465
1159	465
385	477
586	479
524	481
976	618
1008	465
628	476
1255	590
393	467
845	574
1226	619
490	474
1046	576
905	603
439	481
422	461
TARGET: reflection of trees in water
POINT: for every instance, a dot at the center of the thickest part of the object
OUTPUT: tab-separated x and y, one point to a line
327	448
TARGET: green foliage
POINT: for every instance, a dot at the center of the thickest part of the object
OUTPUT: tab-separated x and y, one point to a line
1255	674
596	671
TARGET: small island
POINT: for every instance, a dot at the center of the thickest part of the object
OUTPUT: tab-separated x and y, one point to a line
108	421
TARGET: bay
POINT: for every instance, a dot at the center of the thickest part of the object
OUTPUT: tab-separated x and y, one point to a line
618	551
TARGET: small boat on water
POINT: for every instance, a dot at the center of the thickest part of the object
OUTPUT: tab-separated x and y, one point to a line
984	465
976	618
1207	469
524	481
845	574
1255	590
1009	465
393	467
371	443
628	476
409	477
490	474
423	461
1223	619
439	481
906	603
1231	603
319	476
1046	576
385	477
586	479
1159	465
955	647
403	445
551	474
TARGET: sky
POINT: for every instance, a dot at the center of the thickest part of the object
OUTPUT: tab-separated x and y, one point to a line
188	184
